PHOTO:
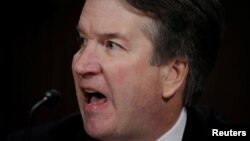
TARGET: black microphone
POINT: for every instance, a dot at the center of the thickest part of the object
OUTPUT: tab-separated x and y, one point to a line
51	98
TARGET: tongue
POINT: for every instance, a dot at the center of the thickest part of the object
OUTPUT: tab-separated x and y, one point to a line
96	100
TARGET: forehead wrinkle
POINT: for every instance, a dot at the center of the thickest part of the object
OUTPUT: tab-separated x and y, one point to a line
147	27
84	28
81	28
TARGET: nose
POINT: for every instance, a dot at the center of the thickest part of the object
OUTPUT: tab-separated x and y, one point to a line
86	63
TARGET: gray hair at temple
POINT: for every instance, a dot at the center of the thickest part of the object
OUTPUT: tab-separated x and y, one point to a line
187	29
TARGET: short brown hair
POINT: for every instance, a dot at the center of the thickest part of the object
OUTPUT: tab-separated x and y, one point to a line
189	29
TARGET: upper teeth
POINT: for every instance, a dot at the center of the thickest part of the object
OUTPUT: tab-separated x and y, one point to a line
90	91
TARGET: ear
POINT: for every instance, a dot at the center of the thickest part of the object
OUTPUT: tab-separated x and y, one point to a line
173	76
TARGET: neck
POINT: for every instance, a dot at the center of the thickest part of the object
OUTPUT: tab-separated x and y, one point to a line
160	123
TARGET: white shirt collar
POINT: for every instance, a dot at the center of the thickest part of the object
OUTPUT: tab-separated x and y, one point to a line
177	131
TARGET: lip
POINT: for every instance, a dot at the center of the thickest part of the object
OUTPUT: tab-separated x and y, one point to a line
97	105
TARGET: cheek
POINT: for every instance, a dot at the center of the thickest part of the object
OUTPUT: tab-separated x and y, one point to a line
117	75
121	80
131	83
120	75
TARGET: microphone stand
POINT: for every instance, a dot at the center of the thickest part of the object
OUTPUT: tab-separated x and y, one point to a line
51	98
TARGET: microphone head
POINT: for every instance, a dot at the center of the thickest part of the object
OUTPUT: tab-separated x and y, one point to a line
52	97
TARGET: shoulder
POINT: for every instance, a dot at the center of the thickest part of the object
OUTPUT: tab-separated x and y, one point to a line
206	115
201	121
68	128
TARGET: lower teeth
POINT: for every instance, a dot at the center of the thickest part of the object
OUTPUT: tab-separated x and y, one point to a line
97	100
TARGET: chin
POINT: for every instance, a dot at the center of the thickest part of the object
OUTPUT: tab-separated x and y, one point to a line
100	135
98	132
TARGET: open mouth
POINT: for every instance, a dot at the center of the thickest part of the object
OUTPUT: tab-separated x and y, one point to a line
94	97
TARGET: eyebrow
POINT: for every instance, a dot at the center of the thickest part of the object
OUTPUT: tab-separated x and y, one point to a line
113	36
110	35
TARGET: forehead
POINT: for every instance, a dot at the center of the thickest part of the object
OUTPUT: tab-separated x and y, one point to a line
110	5
111	16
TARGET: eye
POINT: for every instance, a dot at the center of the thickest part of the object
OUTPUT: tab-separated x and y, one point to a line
81	41
112	45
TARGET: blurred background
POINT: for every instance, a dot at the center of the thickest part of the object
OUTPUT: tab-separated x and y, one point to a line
38	43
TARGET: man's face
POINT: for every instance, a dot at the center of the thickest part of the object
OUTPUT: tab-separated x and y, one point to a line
118	90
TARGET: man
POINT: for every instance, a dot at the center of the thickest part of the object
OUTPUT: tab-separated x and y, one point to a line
140	62
139	65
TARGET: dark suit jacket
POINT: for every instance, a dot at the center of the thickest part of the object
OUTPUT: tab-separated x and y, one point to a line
200	121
